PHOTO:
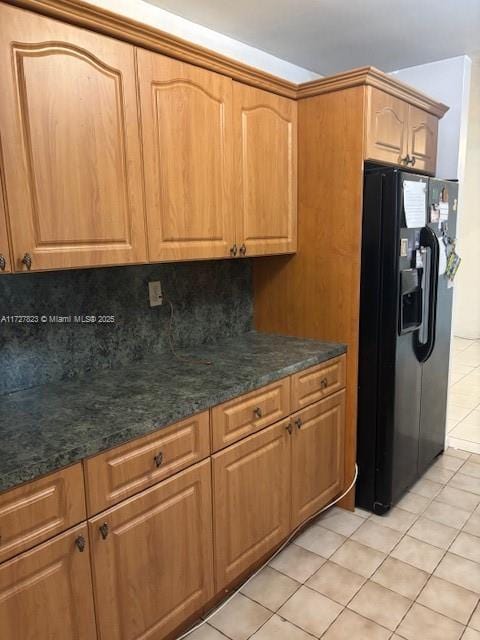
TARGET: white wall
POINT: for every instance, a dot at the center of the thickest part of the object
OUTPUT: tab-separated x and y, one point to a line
447	81
166	21
467	294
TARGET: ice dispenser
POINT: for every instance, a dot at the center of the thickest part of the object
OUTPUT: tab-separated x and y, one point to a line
411	300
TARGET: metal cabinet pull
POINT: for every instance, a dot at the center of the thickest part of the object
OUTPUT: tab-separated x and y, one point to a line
324	383
243	249
233	250
413	160
158	459
3	263
405	159
103	528
289	428
80	543
27	261
258	412
298	423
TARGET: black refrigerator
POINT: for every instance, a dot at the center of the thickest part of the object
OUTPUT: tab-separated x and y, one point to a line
405	326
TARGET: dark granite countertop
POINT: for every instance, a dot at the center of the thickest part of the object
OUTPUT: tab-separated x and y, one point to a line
48	427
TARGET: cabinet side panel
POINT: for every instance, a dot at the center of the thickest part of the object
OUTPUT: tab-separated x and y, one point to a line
315	293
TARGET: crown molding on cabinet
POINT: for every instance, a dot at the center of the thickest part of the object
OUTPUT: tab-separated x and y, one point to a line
83	14
370	76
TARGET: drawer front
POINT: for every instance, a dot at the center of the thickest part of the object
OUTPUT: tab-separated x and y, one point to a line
121	472
40	509
318	382
249	413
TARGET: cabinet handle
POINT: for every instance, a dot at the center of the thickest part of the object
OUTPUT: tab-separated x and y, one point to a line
289	428
298	423
27	261
3	263
258	412
158	459
413	160
103	528
243	249
323	383
233	250
80	543
405	159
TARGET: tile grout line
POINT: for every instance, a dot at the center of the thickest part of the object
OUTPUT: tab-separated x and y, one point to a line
405	533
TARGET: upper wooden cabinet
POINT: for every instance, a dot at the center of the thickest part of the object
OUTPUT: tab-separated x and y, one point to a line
188	153
265	171
152	558
69	123
400	133
5	260
422	139
46	593
387	118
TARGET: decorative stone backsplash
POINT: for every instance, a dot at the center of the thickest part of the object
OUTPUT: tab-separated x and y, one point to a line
211	299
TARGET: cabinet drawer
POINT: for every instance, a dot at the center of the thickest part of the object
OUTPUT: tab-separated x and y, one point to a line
249	413
121	472
317	382
40	509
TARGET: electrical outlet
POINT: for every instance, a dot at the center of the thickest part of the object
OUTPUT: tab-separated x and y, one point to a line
155	293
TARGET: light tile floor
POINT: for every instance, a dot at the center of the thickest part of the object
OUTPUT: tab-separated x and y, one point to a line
463	416
411	575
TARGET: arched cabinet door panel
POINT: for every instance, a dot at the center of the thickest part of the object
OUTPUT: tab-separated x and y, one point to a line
71	145
188	153
423	131
265	171
5	259
387	121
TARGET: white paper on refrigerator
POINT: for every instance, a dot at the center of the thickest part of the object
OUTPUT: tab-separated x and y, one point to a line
414	203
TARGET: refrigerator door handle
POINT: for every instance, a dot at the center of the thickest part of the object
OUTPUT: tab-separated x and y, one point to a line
423	350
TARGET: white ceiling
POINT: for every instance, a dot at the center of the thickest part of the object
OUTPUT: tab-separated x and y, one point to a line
328	36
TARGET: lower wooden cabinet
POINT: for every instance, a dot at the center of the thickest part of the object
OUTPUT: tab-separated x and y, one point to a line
46	593
251	500
142	568
152	558
317	456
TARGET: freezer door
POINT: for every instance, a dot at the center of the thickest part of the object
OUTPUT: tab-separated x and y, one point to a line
435	368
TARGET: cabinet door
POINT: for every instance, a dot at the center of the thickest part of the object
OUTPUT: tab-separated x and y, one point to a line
265	171
5	260
422	139
317	456
386	133
46	593
188	153
251	498
71	144
152	565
